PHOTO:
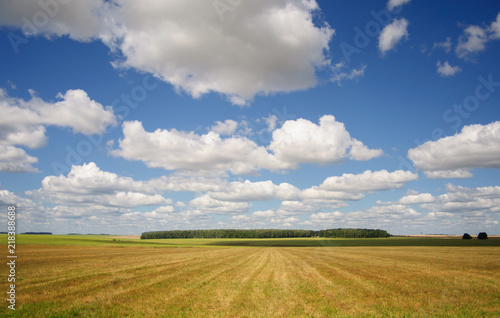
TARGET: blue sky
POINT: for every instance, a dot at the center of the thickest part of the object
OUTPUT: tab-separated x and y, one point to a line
122	117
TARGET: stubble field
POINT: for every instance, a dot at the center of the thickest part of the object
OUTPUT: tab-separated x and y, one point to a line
127	279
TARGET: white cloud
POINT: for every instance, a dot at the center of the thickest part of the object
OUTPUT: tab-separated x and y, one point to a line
446	70
260	47
495	28
332	198
361	152
14	159
80	20
471	42
350	187
475	38
392	34
416	198
256	191
288	208
339	75
446	174
458	210
77	111
368	181
326	143
271	122
264	214
328	217
467	200
188	183
23	123
8	198
177	150
446	45
384	214
476	146
396	3
228	127
207	204
88	185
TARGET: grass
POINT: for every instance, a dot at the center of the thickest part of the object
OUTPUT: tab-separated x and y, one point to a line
94	276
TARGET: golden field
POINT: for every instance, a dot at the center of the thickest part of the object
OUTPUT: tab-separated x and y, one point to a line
381	281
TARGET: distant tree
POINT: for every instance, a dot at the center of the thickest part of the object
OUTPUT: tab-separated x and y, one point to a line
482	236
38	233
466	236
265	233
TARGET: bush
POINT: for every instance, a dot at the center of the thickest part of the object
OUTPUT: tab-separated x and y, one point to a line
466	236
482	236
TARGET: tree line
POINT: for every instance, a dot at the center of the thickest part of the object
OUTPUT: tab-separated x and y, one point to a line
265	233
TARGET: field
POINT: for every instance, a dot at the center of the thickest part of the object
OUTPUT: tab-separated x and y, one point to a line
106	276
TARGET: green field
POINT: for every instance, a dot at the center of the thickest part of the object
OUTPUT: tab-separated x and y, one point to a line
106	276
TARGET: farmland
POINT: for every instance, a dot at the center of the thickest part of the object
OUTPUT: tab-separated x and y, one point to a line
105	276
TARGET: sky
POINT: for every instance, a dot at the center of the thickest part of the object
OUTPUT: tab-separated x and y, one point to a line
124	116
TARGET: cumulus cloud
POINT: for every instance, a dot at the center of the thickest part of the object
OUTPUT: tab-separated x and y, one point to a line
259	47
264	214
288	208
332	198
23	123
471	42
384	214
14	159
207	204
339	74
326	143
459	209
448	174
495	28
177	150
361	152
87	184
476	146
468	200
271	121
369	181
392	4
77	111
445	45
416	198
256	191
327	217
8	198
334	191
80	20
474	39
178	182
392	34
228	127
446	70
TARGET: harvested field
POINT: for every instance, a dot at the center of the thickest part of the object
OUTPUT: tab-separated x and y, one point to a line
411	281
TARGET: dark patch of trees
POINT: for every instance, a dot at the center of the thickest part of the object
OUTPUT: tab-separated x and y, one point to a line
38	233
353	233
482	236
266	233
466	236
